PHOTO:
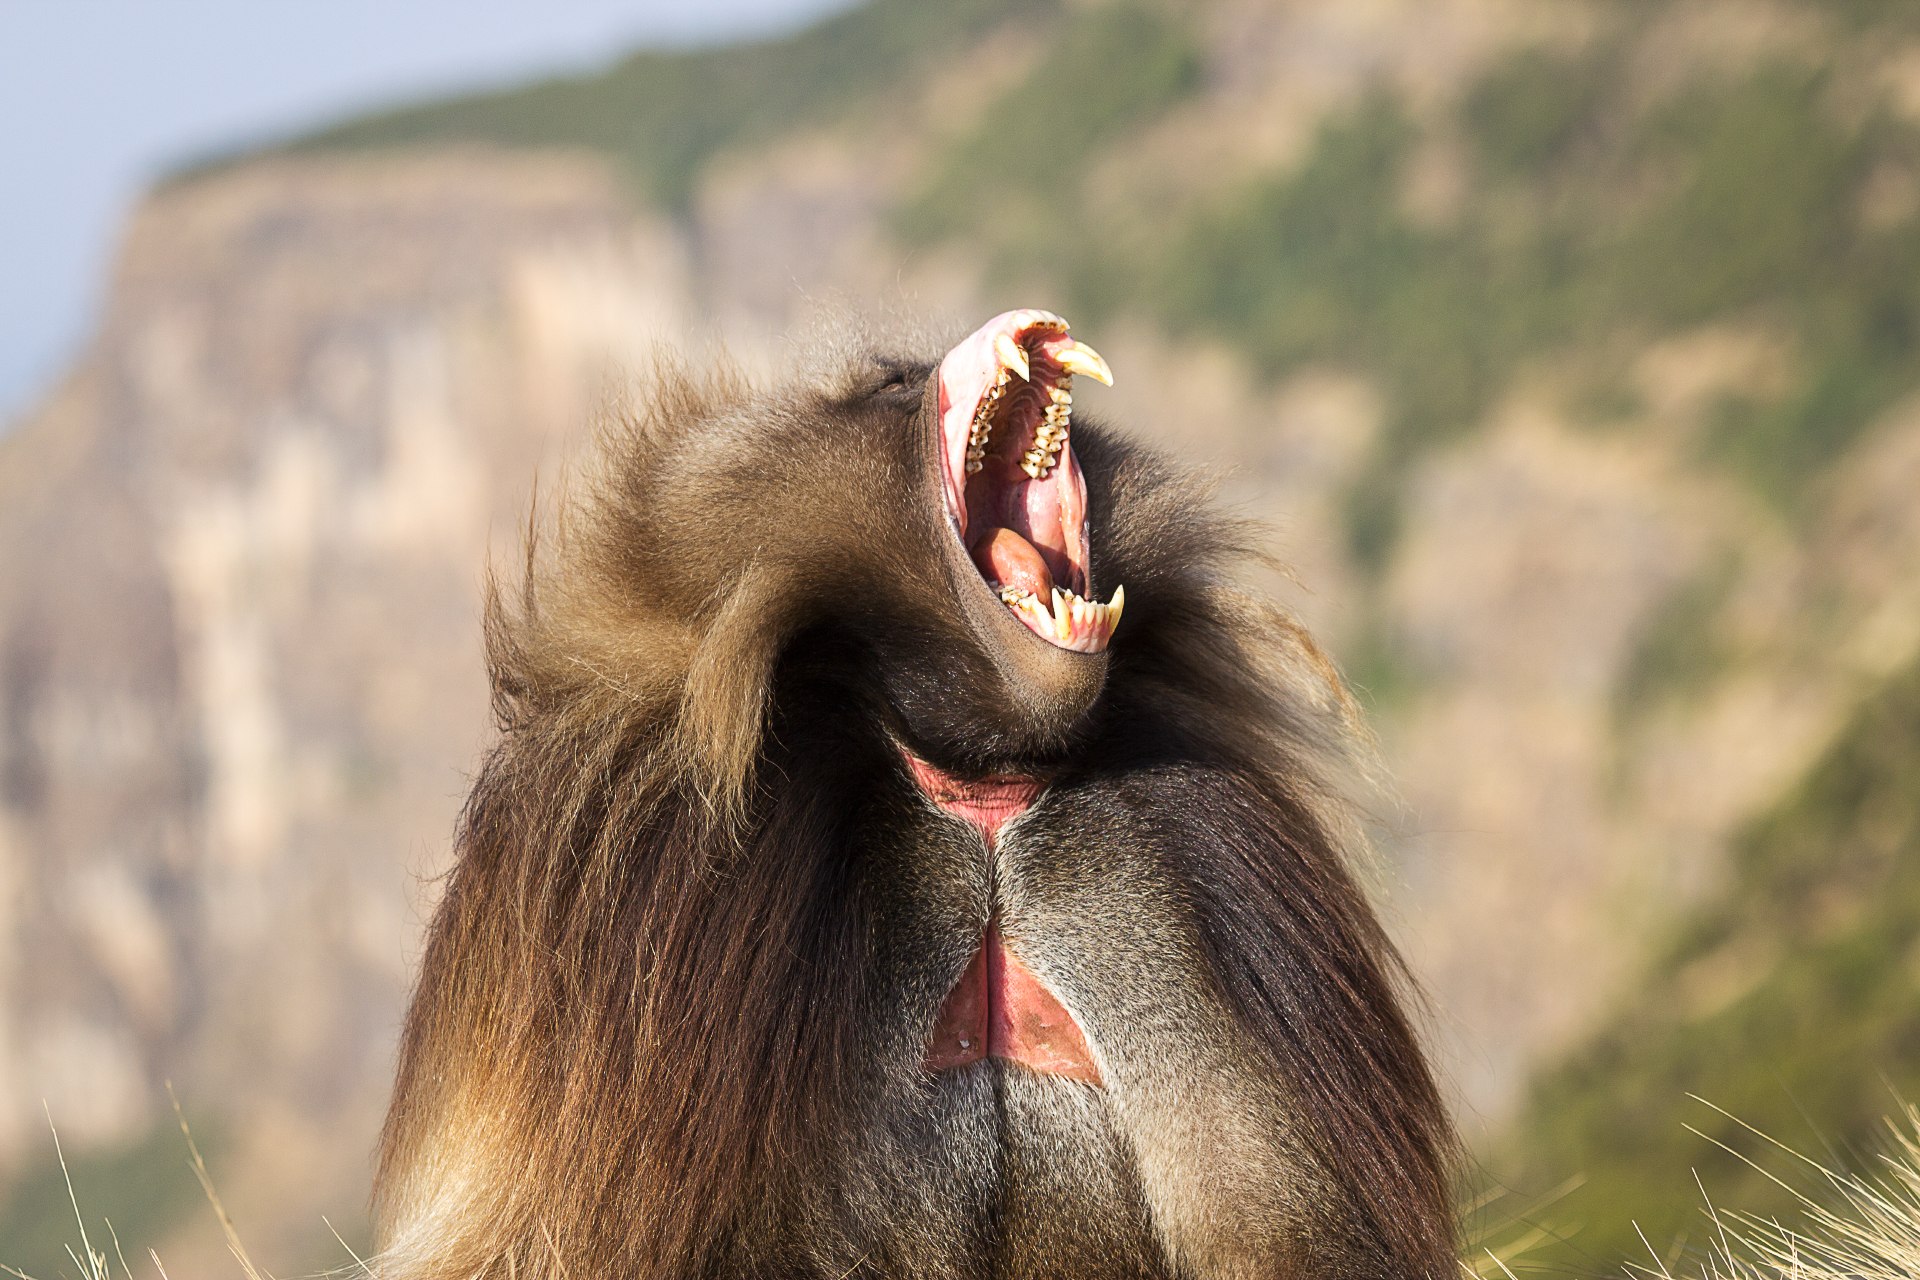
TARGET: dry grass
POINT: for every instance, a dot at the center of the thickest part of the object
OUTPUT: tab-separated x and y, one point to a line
1852	1225
95	1263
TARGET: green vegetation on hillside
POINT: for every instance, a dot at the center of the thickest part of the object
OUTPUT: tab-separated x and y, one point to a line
1791	1001
1587	229
1591	224
1595	218
1014	180
1682	647
665	114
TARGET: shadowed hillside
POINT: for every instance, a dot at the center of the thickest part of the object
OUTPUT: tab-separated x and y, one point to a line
1791	1001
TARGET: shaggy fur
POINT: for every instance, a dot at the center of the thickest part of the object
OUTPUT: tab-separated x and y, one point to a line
671	1015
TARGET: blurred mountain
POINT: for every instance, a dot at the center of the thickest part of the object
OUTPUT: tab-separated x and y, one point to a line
1571	347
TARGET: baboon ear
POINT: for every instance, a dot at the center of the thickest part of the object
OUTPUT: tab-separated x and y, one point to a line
724	702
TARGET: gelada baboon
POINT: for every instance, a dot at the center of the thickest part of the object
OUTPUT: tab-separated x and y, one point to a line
853	892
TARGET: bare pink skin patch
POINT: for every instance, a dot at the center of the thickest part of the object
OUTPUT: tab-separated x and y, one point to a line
985	804
998	1008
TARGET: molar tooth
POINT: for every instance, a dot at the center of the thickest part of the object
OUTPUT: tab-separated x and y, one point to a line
1060	395
1012	355
1078	357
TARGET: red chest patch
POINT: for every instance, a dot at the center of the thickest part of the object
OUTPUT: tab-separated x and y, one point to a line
985	804
999	1008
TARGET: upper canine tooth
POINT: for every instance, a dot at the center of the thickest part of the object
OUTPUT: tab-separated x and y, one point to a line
1078	357
1012	355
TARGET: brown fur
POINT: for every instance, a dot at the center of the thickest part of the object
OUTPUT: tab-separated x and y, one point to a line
669	1016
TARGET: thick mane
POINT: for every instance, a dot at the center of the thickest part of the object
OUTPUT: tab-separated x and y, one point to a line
639	1002
1215	675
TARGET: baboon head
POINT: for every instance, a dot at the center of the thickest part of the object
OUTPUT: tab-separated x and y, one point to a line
854	891
935	514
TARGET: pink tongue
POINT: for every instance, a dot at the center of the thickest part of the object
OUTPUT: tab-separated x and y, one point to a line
1011	561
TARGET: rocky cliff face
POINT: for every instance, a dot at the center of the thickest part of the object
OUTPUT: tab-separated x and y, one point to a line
240	681
240	674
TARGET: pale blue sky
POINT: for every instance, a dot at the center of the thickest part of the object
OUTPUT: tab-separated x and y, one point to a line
96	96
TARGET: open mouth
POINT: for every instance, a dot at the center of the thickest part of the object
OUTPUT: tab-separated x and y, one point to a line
1013	486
